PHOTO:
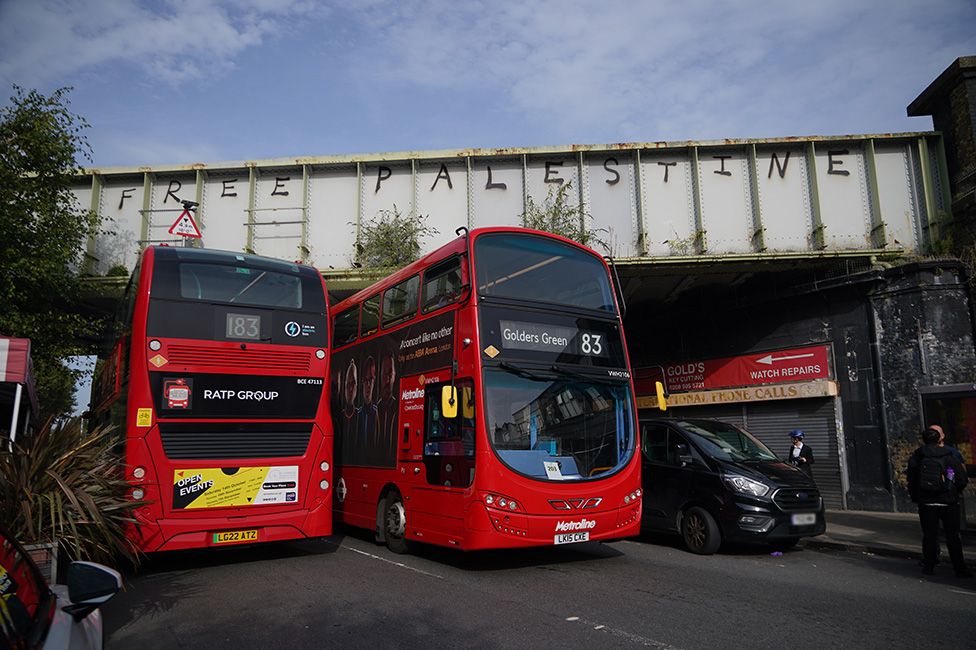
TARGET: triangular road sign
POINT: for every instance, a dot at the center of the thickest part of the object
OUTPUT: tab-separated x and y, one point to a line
185	226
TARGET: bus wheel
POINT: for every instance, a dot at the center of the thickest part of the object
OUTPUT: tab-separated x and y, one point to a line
700	532
395	523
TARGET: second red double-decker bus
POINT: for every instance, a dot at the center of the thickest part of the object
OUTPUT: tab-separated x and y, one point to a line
483	398
216	382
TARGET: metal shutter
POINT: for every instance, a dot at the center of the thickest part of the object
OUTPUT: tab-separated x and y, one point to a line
771	422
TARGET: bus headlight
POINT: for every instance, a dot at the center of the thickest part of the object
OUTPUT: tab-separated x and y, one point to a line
324	484
320	354
138	494
325	466
155	345
139	472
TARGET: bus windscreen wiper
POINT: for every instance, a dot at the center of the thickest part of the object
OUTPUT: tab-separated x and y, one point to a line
522	372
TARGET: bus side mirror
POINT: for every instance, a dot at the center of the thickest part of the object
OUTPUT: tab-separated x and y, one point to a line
662	398
449	401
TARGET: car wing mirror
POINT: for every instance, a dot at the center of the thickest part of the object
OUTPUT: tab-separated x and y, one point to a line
684	454
89	586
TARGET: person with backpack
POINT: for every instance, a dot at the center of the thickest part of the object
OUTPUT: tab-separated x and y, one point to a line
935	480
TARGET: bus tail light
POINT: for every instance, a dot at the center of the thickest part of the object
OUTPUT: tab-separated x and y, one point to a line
633	497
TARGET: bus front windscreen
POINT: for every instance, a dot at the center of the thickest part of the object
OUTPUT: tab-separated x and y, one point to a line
532	268
558	429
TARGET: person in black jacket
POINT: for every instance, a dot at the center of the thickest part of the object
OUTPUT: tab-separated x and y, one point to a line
938	503
800	454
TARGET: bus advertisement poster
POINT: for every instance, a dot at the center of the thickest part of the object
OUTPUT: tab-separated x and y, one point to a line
231	487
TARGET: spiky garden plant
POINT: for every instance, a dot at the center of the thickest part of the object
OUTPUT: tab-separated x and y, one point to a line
67	486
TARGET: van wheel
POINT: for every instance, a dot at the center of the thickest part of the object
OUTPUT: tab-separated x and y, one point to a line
700	532
395	523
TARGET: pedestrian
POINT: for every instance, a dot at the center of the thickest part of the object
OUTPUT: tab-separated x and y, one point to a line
942	443
800	453
935	479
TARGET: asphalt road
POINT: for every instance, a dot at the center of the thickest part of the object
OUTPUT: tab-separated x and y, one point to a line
346	592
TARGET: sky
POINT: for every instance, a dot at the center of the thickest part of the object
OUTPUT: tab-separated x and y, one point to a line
183	81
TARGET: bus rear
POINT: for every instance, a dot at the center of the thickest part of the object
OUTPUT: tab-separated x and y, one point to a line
217	380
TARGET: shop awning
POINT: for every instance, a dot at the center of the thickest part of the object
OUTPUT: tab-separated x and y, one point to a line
18	388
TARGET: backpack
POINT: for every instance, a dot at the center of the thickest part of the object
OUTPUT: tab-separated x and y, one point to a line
932	474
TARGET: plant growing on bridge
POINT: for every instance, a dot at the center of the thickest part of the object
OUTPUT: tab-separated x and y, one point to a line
44	238
67	485
560	216
391	239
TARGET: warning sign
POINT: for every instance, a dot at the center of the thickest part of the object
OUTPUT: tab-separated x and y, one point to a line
229	487
185	226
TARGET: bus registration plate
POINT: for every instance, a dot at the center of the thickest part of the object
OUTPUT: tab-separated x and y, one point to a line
572	538
235	536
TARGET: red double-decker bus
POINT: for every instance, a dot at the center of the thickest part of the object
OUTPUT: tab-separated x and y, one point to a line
483	398
216	383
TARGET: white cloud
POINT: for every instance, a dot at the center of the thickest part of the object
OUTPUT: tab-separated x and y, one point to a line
43	41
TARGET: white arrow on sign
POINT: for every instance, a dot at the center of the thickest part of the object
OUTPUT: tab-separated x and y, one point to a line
769	359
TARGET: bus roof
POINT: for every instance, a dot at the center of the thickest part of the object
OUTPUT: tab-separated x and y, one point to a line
453	247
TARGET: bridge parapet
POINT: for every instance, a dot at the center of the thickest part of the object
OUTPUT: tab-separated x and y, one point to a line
656	200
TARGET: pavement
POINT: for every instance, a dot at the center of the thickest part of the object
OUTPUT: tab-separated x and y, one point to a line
895	534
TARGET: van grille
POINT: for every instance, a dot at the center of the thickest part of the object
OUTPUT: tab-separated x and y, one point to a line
796	499
229	440
200	356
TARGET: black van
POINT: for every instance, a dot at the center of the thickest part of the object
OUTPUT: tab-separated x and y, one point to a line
713	482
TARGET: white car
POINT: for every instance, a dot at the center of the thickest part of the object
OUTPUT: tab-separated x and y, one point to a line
34	614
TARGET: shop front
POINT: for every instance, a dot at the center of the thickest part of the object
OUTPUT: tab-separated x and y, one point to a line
769	394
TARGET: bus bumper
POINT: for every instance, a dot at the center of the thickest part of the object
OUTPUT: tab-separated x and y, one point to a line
171	534
494	528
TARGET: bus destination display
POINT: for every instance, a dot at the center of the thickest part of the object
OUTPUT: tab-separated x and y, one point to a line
557	339
243	326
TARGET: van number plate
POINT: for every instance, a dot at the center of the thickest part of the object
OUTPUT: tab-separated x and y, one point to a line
804	519
572	538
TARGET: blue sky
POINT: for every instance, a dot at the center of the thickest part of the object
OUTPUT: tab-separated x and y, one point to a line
205	81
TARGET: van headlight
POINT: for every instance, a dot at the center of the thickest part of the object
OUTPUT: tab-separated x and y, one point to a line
746	485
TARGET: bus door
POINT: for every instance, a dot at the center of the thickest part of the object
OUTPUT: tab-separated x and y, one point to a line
448	457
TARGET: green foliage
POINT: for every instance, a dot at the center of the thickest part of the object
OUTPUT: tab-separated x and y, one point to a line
117	271
44	237
560	216
69	487
391	239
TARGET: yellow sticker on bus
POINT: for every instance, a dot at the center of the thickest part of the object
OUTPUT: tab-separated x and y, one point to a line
144	418
233	487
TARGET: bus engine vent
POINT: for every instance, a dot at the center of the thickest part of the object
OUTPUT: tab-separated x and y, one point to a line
206	357
231	440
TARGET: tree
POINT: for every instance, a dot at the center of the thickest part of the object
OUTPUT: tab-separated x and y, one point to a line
561	217
44	234
391	239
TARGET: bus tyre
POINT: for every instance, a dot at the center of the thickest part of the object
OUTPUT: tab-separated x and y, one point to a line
395	523
700	532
